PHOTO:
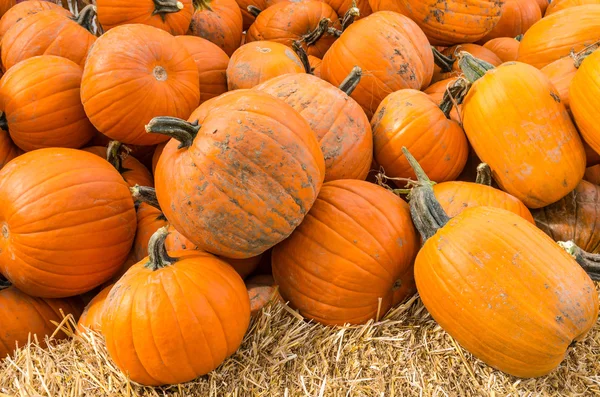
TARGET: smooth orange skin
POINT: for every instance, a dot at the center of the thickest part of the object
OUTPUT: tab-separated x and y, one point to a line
286	22
543	5
46	33
149	220
40	97
456	196
476	50
561	73
342	128
592	174
112	13
120	92
260	296
436	92
91	318
505	48
260	4
584	93
559	5
315	65
68	222
8	150
25	314
393	50
249	178
517	17
574	218
340	265
447	22
220	22
505	291
135	173
411	118
555	36
534	149
211	62
157	152
259	61
6	5
174	324
25	9
592	158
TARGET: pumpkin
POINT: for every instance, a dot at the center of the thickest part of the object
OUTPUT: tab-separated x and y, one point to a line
436	92
411	118
535	152
41	104
592	158
341	125
307	21
252	8
156	156
543	5
559	5
8	150
592	174
258	169
584	92
399	56
447	67
134	73
259	61
517	17
211	62
261	290
150	307
315	65
91	318
173	16
26	8
505	48
342	7
45	33
218	21
447	22
6	5
134	172
563	32
81	230
355	247
31	317
475	272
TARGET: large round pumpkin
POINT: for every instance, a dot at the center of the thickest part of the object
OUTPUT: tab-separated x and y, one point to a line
505	48
353	250
91	318
41	104
26	8
583	96
393	50
67	222
517	17
559	5
245	179
218	21
175	316
134	73
8	150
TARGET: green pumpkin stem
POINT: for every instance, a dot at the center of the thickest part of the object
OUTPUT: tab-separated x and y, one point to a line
454	95
85	18
157	251
179	129
301	52
351	81
314	36
445	63
426	212
145	194
350	15
163	7
253	10
473	68
519	38
589	262
484	175
3	122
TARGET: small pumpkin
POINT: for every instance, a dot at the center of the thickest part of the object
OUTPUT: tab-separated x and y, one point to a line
261	290
559	5
132	171
218	21
8	150
543	5
315	65
517	17
505	48
25	9
584	92
91	318
592	174
160	289
446	61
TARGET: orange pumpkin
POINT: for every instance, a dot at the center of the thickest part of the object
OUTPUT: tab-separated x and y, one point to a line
543	4
584	93
142	341
355	247
26	8
218	21
315	65
341	7
436	92
156	156
261	291
6	5
91	318
134	172
517	17
41	104
8	150
81	231
592	174
399	56
252	8
173	16
505	48
559	5
134	73
447	66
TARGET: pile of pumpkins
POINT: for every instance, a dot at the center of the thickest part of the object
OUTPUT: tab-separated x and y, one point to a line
173	165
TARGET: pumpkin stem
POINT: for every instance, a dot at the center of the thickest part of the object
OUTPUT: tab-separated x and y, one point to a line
580	56
519	38
113	156
314	36
351	81
453	96
301	52
182	130
445	63
157	251
86	17
253	10
3	122
472	68
163	7
484	174
589	262
350	15
425	210
145	194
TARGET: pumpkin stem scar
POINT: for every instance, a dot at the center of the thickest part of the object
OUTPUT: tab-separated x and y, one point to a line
445	63
145	194
254	10
182	130
588	261
314	36
473	68
484	174
299	50
163	7
351	81
160	73
86	17
157	251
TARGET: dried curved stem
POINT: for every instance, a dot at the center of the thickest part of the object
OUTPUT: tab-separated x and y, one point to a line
167	6
351	81
314	36
86	17
484	174
589	262
350	15
182	130
580	56
473	68
454	96
253	10
445	63
299	50
145	194
157	251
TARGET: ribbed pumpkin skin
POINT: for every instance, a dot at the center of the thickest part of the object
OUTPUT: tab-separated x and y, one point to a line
25	9
31	315
543	5
399	56
212	65
533	148
447	22
559	5
456	196
489	273
46	33
476	50
583	95
174	324
112	13
286	22
122	87
67	222
156	155
40	97
134	172
315	65
6	5
517	17
149	220
249	178
341	125
575	217
8	150
349	252
436	92
505	48
91	318
260	61
410	118
557	35
220	22
592	174
561	73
